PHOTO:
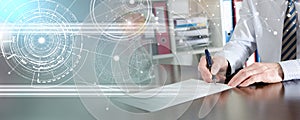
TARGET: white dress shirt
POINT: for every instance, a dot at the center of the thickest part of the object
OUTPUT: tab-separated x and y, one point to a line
261	27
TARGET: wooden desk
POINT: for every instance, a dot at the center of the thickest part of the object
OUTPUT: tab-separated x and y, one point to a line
260	102
279	101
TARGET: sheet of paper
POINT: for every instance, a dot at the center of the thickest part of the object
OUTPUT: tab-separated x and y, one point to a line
173	94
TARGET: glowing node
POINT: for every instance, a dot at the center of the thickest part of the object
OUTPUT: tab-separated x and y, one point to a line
132	1
116	58
41	40
141	72
129	23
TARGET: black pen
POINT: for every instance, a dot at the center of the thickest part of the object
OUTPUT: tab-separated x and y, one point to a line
209	63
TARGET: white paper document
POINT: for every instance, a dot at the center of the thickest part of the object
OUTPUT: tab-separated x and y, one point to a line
170	95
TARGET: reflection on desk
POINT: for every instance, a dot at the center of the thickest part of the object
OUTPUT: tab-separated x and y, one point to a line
280	101
262	92
258	102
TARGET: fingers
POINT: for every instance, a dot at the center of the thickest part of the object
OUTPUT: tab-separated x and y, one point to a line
220	78
205	73
252	80
257	72
215	68
246	73
218	64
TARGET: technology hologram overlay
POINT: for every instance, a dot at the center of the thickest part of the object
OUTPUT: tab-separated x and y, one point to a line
42	47
119	58
107	53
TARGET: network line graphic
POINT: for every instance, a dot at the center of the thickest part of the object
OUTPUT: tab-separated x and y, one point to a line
44	40
121	59
106	53
39	44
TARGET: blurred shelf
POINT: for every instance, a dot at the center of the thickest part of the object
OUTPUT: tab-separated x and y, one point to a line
201	51
164	56
192	52
192	8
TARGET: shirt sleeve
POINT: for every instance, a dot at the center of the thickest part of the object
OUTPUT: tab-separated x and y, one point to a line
290	69
242	43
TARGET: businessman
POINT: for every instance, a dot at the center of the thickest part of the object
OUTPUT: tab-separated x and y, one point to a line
269	26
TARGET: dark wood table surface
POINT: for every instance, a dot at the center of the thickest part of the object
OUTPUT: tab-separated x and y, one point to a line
279	101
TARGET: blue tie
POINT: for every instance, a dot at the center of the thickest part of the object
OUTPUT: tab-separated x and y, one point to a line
289	40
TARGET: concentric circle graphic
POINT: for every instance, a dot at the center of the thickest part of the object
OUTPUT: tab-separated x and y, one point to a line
110	54
108	14
136	67
123	63
42	47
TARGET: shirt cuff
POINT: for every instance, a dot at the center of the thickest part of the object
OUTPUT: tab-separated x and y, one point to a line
290	69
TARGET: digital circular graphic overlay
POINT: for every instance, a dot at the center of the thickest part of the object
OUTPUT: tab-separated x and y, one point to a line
123	64
122	68
42	48
113	17
136	67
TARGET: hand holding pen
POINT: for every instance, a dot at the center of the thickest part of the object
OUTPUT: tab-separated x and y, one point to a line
212	68
209	64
